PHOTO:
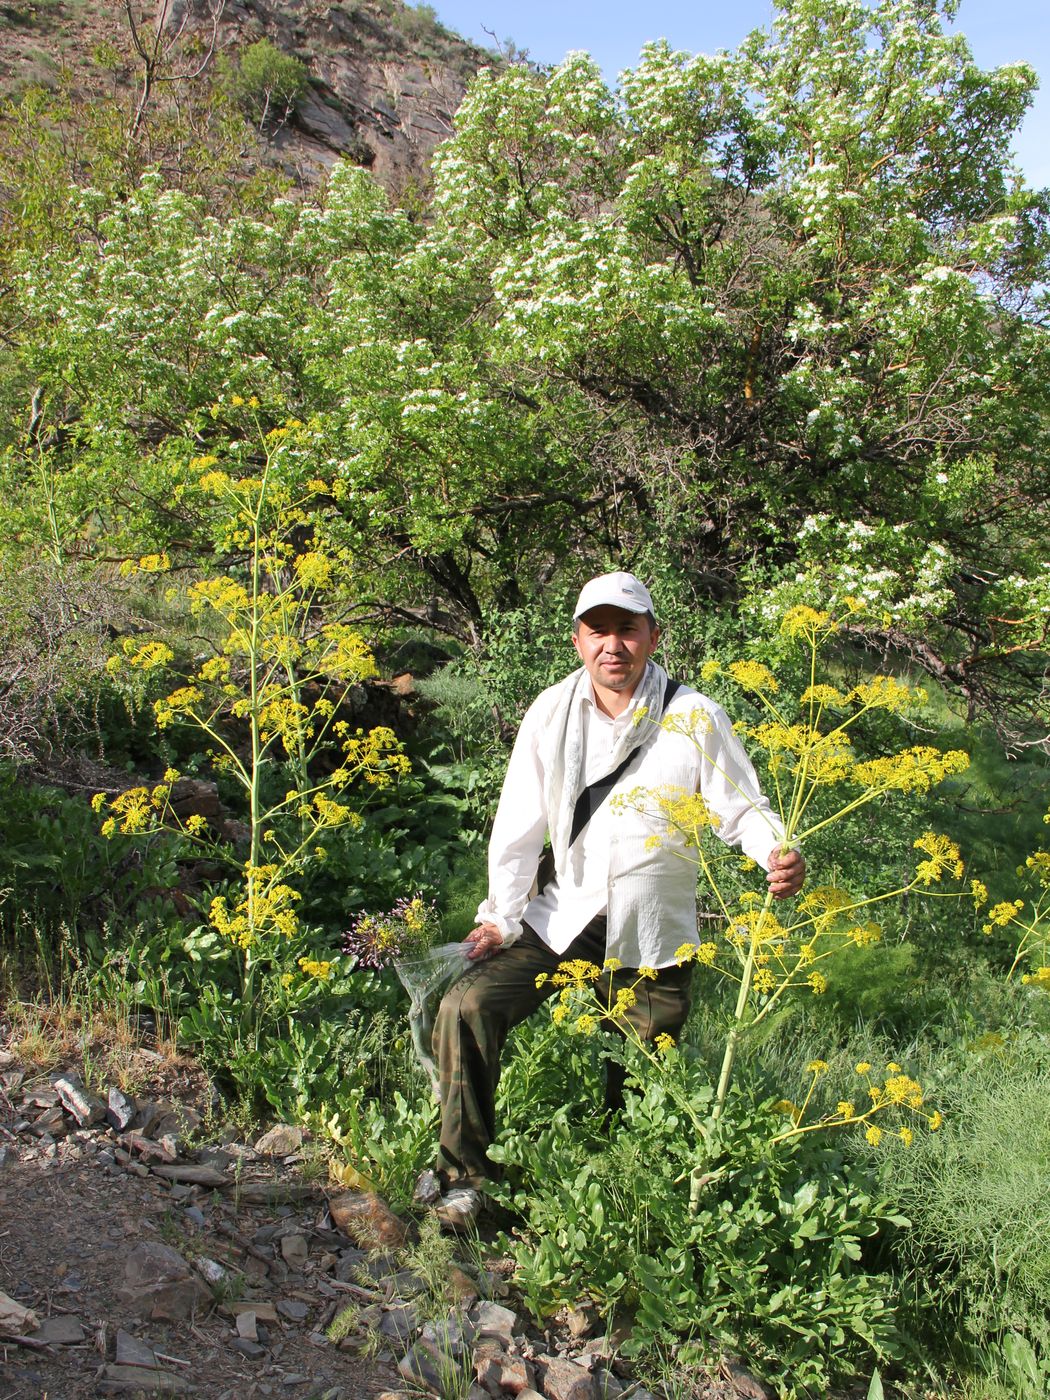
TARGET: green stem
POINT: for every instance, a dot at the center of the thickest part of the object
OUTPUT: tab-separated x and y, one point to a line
732	1039
248	1020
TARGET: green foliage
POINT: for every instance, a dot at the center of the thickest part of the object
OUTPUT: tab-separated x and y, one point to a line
60	876
765	326
384	1146
266	83
770	1265
658	325
975	1193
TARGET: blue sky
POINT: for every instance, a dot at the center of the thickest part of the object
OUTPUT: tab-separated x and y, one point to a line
999	31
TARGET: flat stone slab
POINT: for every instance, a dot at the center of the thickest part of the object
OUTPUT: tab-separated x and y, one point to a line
132	1351
63	1329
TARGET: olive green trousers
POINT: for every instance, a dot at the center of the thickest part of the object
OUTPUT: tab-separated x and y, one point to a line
490	999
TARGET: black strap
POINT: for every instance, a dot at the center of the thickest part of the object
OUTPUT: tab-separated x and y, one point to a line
592	797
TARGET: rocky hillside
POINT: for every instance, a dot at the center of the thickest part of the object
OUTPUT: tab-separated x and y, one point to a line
382	79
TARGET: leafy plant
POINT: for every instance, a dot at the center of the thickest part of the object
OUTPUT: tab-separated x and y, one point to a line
769	1265
265	703
266	83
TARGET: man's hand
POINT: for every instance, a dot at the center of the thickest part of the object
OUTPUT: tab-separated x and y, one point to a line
787	871
486	939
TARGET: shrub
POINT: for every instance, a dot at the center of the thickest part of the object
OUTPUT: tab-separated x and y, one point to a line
266	84
976	1194
769	1264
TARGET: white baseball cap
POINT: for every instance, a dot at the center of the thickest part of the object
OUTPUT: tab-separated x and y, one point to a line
616	590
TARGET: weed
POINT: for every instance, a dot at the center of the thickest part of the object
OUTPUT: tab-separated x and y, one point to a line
344	1322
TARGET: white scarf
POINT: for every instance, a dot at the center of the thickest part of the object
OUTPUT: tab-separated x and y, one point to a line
565	776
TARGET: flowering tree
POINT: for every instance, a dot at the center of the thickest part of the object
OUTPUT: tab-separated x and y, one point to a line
778	308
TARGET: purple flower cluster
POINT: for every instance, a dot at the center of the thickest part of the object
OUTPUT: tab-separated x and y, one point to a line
380	940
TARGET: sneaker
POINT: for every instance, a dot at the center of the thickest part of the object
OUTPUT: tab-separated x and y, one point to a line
458	1208
428	1188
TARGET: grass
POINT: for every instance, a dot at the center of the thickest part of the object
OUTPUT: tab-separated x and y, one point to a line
59	1014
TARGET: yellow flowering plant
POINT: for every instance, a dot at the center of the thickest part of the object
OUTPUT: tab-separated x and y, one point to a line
1028	920
265	697
817	778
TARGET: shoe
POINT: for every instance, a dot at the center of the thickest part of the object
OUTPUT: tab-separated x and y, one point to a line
458	1208
428	1188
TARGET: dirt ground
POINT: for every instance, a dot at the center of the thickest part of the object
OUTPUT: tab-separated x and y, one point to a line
69	1217
65	1231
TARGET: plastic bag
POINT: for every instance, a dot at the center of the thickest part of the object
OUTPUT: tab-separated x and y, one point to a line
426	980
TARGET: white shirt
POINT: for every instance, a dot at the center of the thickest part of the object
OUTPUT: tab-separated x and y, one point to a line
648	894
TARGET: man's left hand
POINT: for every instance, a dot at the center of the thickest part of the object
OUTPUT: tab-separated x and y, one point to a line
787	871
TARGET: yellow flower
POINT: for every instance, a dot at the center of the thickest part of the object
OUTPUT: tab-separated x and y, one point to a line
150	655
845	1109
822	695
1002	914
753	675
863	935
586	1024
885	693
817	1067
901	1089
944	857
683	811
664	1042
874	1135
685	952
541	979
709	670
98	801
862	1067
818	982
906	1136
314	570
935	1121
913	770
577	971
706	954
648	972
825	899
611	965
154	563
764	981
803	621
312	968
625	997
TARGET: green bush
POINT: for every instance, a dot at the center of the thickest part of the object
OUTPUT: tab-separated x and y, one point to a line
976	1193
64	879
267	83
770	1265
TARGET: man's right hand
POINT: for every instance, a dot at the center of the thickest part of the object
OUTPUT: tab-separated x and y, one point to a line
486	940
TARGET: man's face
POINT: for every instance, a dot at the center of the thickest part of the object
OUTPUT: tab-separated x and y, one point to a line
614	646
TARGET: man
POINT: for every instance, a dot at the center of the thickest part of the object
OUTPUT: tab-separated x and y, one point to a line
614	894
